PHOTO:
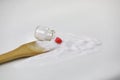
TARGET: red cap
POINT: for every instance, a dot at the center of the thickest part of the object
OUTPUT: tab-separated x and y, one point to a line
58	40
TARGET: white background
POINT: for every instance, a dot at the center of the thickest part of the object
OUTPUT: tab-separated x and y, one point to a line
95	18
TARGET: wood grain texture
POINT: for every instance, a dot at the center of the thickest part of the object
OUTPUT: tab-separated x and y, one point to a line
25	50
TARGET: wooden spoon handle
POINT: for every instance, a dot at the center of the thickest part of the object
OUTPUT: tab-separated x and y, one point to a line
25	50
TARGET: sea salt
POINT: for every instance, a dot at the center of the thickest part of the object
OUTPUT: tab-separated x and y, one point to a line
72	46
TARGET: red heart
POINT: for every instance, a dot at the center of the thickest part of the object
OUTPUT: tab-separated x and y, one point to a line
58	40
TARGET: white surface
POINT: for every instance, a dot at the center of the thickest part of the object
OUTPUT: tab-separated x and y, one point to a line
72	47
97	19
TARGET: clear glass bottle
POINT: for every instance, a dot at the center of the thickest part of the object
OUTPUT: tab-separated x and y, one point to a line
43	33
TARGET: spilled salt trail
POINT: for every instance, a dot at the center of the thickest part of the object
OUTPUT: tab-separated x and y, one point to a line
72	46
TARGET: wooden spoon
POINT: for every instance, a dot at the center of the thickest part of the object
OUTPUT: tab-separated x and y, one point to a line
25	50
